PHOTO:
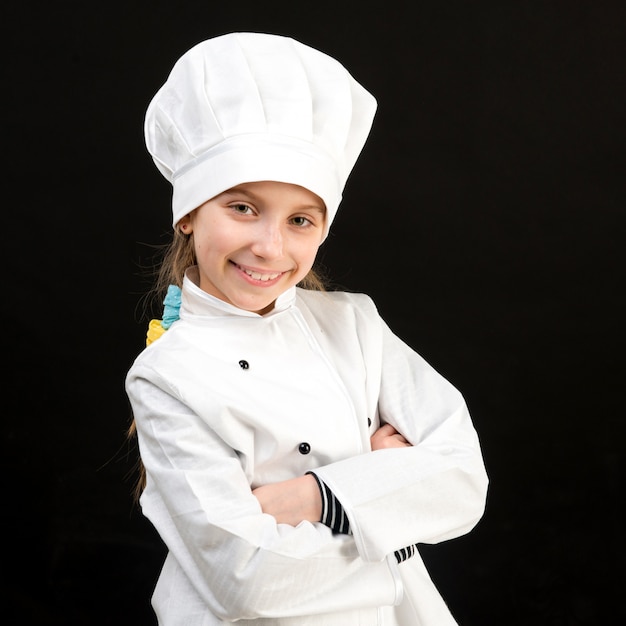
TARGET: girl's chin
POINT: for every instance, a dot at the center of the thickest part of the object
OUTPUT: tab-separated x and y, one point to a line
255	305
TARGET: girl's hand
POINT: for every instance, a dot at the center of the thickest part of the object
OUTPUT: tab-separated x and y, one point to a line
291	501
388	437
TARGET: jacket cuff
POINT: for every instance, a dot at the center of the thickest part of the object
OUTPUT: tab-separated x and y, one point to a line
333	514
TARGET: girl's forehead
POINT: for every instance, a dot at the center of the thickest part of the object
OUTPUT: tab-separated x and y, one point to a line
270	190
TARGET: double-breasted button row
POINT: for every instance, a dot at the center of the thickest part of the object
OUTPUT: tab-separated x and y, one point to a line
304	447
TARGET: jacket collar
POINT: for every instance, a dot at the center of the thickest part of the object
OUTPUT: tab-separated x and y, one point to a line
198	303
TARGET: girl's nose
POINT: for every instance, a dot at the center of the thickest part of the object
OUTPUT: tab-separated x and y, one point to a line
268	243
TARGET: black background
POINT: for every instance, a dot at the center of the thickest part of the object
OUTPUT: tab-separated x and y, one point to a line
485	217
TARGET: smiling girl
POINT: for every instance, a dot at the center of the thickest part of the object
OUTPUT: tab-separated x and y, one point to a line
294	451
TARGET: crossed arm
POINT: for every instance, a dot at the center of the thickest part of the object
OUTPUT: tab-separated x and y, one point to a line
299	499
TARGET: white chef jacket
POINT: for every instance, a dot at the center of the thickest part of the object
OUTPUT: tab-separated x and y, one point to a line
227	400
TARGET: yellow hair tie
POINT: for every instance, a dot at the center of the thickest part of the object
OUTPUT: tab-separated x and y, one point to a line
155	330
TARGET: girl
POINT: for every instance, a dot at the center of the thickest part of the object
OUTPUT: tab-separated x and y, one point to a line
294	449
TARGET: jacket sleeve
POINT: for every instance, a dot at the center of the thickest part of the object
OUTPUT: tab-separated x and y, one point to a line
241	562
434	490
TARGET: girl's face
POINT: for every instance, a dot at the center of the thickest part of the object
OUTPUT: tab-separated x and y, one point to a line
255	241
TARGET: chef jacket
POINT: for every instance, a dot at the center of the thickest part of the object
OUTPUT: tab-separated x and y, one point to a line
227	400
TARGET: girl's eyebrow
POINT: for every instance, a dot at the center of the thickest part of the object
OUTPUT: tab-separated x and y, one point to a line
313	207
237	191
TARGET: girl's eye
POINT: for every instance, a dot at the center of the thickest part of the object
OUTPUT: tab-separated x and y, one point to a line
301	221
241	208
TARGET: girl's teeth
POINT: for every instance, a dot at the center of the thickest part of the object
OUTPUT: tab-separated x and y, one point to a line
258	276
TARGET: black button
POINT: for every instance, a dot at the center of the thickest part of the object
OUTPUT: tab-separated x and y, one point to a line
304	448
369	421
244	365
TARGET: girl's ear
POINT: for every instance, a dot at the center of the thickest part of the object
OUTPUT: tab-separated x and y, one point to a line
184	225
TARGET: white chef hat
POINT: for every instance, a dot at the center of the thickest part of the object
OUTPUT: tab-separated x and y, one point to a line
246	107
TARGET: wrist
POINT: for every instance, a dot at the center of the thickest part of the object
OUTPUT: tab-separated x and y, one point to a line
313	497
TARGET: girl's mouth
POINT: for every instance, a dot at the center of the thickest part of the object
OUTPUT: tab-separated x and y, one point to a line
263	277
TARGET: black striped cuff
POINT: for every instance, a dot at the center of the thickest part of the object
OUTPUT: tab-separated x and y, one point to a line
333	514
405	553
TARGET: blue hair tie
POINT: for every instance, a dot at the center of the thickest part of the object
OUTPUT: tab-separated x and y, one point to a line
171	306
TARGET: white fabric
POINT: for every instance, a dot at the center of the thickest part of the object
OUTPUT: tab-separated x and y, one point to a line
246	107
320	365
